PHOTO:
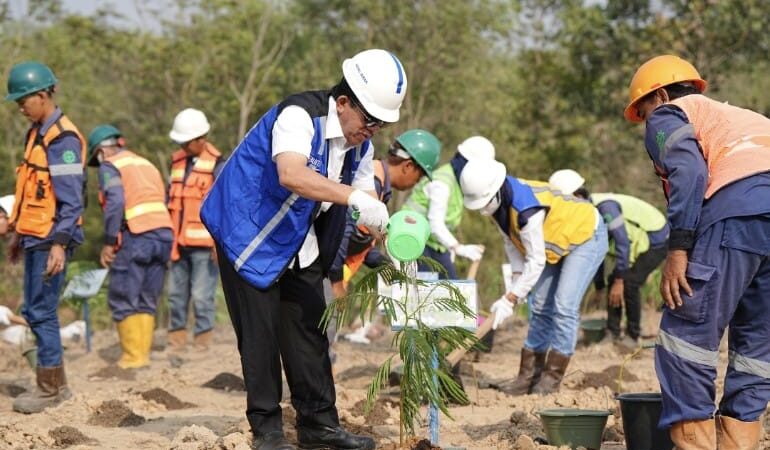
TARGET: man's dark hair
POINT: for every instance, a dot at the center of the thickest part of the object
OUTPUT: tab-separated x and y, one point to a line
674	91
343	88
582	193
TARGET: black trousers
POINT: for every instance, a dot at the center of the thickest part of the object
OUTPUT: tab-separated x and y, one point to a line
633	280
281	325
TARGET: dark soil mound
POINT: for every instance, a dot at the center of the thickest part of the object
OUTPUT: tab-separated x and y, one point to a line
114	413
608	377
379	414
66	436
162	397
113	371
424	445
12	389
226	382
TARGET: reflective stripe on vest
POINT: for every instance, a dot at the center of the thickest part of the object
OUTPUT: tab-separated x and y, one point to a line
639	219
418	201
145	207
732	152
185	198
259	224
569	221
34	209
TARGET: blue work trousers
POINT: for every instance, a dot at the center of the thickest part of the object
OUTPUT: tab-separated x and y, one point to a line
193	279
554	302
729	273
136	275
443	258
41	300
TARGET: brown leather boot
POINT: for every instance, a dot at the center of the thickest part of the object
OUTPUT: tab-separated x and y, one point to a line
553	372
201	341
694	435
177	339
51	390
734	434
530	369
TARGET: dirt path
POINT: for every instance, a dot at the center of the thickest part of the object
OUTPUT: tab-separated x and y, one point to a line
167	407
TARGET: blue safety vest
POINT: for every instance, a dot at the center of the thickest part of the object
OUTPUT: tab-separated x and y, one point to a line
259	224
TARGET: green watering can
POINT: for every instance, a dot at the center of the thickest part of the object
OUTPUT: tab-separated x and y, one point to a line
408	231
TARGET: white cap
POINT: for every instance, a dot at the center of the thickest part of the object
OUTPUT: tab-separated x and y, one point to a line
378	80
477	147
189	124
6	203
480	180
566	180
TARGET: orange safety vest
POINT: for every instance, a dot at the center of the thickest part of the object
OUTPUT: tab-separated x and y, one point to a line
34	210
145	207
186	196
735	142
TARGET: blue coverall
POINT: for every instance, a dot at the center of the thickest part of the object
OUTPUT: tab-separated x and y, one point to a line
727	238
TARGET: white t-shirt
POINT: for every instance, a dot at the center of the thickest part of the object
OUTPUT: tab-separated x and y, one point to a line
293	132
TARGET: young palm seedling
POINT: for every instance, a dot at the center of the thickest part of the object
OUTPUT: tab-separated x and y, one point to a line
418	341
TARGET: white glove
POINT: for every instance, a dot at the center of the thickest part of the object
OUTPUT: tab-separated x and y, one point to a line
503	309
5	315
472	252
372	213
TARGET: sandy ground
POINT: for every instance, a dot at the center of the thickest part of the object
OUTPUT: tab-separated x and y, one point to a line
166	406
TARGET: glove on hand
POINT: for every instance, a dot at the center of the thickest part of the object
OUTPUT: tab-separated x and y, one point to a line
372	213
472	252
5	315
503	309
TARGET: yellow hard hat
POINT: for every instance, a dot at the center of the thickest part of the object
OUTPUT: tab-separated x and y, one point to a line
654	74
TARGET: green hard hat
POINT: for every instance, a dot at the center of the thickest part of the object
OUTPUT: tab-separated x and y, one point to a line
27	78
97	135
423	147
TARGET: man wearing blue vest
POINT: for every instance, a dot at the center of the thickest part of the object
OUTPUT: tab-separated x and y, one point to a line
277	213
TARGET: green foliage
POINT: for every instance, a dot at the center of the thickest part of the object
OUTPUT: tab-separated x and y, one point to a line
416	342
544	80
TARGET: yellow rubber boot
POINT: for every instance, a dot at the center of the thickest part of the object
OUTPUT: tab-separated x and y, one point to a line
694	435
148	330
734	434
132	342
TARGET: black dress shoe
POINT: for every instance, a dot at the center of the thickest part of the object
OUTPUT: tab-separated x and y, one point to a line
274	440
328	438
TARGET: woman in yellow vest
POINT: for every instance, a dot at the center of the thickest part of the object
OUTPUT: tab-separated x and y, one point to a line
555	243
714	161
194	274
137	239
46	217
638	235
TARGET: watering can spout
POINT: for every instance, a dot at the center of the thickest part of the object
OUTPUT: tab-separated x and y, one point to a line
408	232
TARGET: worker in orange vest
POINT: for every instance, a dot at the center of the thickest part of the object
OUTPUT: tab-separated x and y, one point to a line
137	239
46	216
713	160
194	271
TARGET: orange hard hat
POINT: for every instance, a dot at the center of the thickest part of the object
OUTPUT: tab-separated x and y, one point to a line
654	74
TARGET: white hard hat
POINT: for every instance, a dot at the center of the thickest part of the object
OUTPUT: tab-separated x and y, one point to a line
6	203
188	125
477	147
480	180
378	80
566	180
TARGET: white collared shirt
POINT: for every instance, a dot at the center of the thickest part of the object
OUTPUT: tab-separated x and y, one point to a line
293	132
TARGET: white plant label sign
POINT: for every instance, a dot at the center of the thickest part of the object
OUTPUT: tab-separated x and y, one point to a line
432	316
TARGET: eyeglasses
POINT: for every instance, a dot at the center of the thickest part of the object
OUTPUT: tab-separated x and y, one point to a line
369	121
